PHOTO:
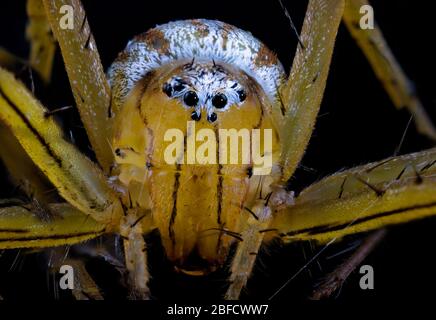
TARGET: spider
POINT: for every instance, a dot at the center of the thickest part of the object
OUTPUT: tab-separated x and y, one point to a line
215	76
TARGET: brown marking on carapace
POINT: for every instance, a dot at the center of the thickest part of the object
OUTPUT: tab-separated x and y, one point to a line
226	30
265	57
123	55
202	30
156	39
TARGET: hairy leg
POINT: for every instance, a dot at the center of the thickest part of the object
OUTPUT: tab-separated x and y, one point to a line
88	82
42	42
21	228
386	67
77	179
395	190
303	92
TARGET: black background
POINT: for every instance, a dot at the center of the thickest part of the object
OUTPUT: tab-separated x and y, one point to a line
357	124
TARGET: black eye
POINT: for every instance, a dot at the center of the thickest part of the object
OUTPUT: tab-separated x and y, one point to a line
195	116
179	87
219	100
167	89
190	98
242	95
212	117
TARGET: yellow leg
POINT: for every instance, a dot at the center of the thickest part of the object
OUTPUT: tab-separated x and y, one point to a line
396	190
10	61
305	88
88	82
386	67
22	171
20	228
78	180
42	42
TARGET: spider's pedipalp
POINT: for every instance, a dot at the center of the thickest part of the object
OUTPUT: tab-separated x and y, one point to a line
245	256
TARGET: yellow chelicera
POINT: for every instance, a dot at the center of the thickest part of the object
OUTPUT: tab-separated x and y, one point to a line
37	155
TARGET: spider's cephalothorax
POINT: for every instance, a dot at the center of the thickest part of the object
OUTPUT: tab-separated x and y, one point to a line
222	78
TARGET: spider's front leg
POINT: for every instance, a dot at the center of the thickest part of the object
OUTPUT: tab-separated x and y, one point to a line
397	190
23	173
88	81
304	90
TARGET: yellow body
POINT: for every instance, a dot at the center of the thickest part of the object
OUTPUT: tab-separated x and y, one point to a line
191	204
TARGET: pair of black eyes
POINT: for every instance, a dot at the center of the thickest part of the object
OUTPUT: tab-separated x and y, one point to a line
219	100
190	98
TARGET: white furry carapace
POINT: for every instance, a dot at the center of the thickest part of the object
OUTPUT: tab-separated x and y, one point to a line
202	40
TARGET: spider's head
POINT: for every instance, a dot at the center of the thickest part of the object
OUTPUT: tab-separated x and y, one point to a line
206	49
206	88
